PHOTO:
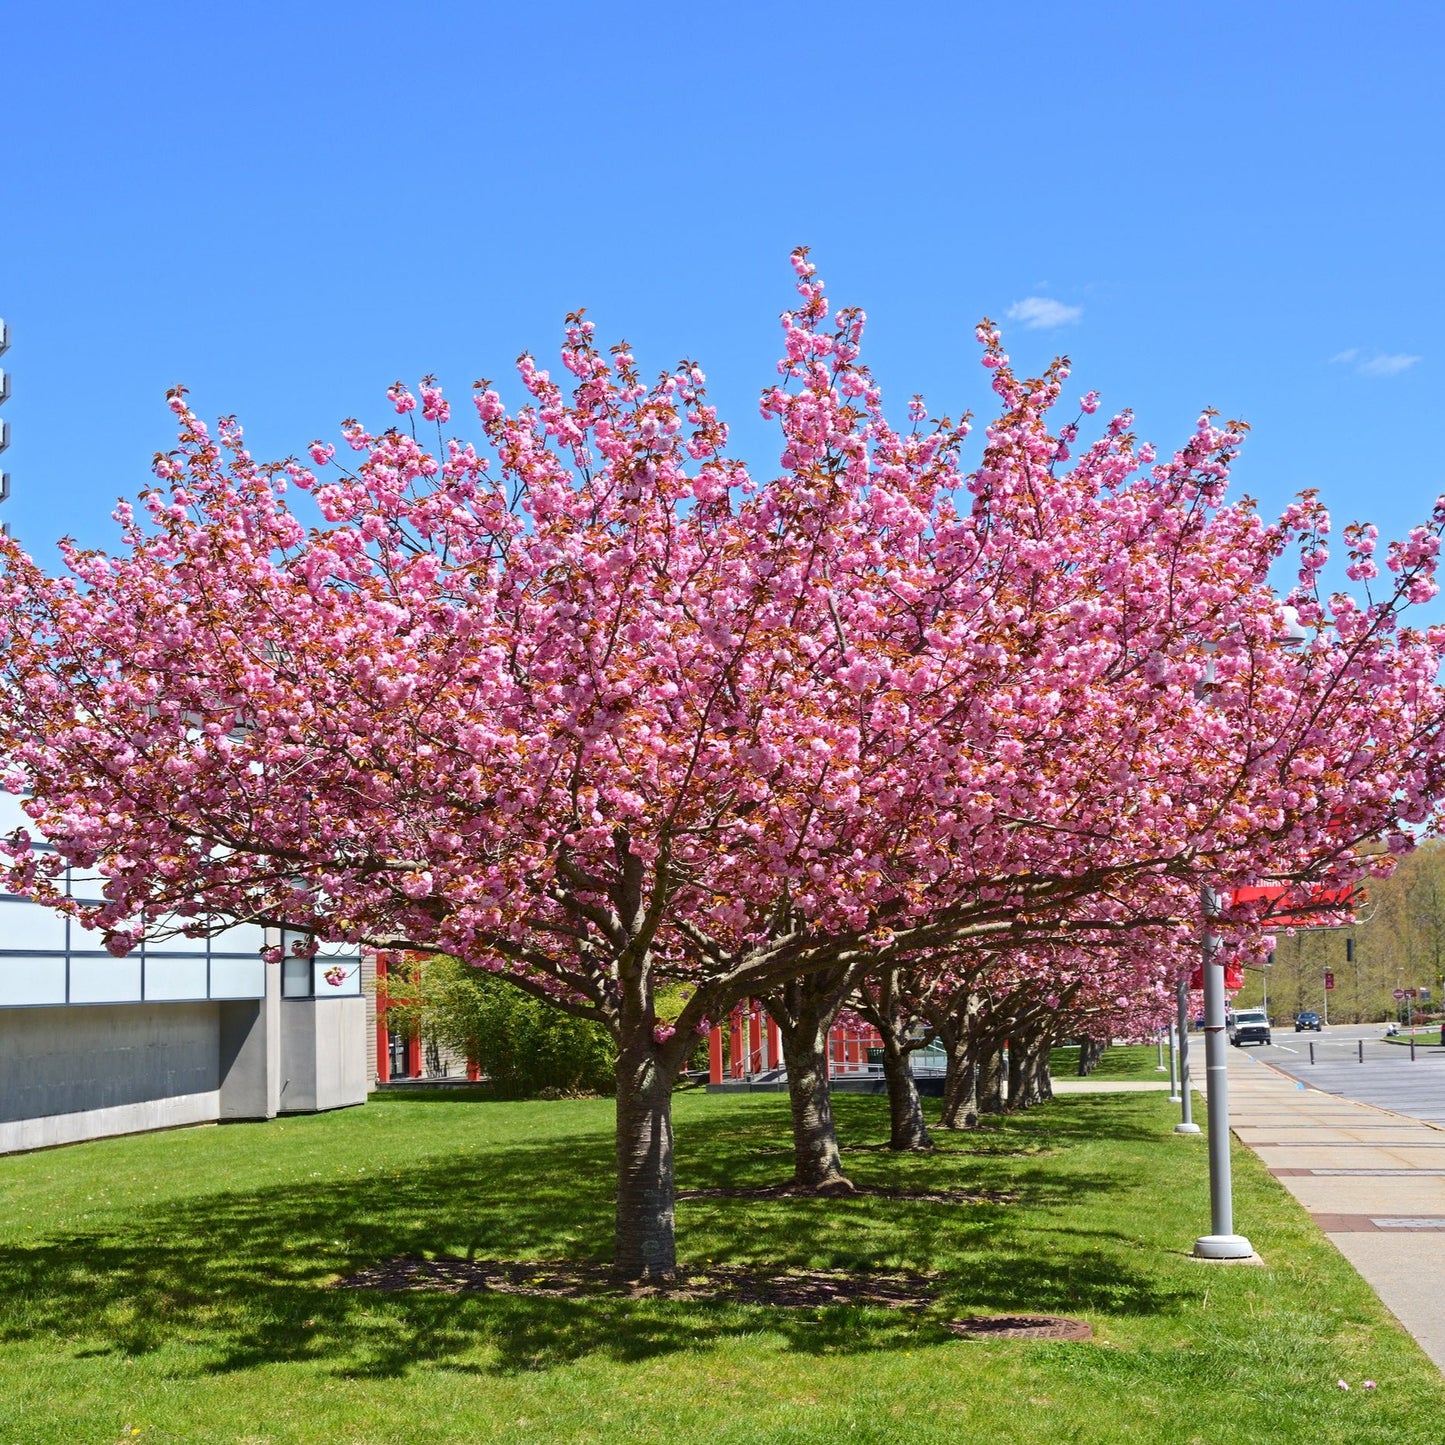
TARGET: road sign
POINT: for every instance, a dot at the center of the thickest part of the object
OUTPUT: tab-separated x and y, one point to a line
1329	979
1398	993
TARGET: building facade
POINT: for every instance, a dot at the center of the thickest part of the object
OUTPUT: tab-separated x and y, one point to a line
181	1031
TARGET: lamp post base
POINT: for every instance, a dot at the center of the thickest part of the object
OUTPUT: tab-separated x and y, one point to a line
1223	1246
1186	1129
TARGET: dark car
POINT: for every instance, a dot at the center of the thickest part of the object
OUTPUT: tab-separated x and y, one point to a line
1308	1021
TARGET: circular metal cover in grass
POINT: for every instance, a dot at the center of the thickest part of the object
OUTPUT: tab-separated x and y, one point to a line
1022	1327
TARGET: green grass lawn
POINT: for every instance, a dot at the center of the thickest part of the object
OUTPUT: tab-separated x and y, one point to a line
1123	1062
177	1285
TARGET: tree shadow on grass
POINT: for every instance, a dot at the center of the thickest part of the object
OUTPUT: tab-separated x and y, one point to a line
240	1277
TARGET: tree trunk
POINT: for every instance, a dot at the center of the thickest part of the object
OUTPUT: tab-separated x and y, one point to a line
960	1083
1016	1073
1090	1052
990	1079
646	1246
907	1131
817	1163
1043	1074
882	1004
1029	1082
957	1031
803	1010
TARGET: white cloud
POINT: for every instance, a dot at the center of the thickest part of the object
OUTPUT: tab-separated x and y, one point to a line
1386	364
1040	313
1379	363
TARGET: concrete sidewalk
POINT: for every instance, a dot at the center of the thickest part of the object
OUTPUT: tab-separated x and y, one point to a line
1372	1180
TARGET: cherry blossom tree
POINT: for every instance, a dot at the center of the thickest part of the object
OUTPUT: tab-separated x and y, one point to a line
597	708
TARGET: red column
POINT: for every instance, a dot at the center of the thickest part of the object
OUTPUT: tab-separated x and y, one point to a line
755	1043
383	1039
775	1054
474	1070
413	1056
715	1055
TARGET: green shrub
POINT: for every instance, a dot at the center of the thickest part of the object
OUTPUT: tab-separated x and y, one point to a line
522	1045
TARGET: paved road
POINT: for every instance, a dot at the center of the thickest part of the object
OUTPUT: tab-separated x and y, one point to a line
1374	1181
1387	1079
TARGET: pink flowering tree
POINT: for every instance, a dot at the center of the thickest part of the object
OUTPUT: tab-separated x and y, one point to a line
591	705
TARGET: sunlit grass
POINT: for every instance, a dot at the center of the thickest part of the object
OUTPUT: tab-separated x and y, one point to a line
1122	1062
179	1284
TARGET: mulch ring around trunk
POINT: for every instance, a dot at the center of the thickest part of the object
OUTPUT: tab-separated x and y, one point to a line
723	1283
564	1279
854	1191
1021	1327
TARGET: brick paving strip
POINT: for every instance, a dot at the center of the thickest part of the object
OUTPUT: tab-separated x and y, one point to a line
1373	1181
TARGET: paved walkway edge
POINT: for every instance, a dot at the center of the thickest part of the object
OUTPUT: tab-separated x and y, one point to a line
1376	1189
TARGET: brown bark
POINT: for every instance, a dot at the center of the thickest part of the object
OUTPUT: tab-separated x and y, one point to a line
907	1129
1029	1080
817	1163
955	1029
883	1005
1090	1052
990	1078
804	1010
960	1083
645	1246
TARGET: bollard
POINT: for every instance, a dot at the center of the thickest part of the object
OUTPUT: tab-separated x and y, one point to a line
1312	1051
1362	1051
1412	1048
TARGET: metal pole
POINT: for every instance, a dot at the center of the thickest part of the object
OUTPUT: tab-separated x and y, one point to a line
1362	1050
1159	1040
1312	1051
1222	1242
1173	1077
1186	1124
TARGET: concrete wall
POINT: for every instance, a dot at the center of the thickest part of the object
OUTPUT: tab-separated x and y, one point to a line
72	1073
249	1047
323	1054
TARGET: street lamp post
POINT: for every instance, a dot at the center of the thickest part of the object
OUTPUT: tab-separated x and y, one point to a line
1186	1124
1221	1242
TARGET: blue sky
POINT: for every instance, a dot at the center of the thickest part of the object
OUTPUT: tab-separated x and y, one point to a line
287	207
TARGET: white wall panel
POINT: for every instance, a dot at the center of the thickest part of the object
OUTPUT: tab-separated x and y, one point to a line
11	816
105	980
28	925
244	938
238	977
174	978
179	944
31	981
350	982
